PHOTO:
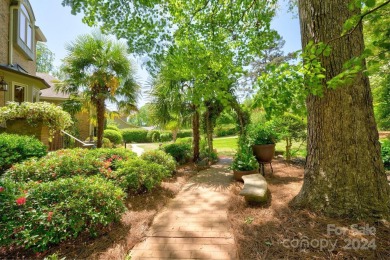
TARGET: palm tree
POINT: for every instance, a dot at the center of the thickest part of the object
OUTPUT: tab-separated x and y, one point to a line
100	69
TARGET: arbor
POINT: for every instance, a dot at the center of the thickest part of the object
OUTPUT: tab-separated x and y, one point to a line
45	58
344	174
100	69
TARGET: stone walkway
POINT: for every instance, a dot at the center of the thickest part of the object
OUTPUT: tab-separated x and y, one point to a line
138	150
194	225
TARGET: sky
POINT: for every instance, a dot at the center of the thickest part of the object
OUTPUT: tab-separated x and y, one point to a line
61	28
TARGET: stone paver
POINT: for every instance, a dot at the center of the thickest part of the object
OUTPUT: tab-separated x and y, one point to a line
194	225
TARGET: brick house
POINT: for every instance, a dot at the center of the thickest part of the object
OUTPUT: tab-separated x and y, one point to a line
18	38
50	95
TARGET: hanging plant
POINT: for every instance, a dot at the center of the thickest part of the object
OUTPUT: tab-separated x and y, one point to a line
48	114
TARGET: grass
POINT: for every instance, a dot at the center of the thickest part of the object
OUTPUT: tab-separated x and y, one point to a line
226	146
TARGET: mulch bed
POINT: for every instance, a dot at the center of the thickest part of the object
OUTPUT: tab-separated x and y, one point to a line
278	231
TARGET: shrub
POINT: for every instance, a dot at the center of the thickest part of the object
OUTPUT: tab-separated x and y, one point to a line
262	133
106	142
153	136
184	140
68	163
184	133
113	135
134	135
113	127
17	148
181	152
38	214
161	158
385	151
139	174
225	130
49	114
166	137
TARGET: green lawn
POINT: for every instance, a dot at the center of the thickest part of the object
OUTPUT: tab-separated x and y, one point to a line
227	146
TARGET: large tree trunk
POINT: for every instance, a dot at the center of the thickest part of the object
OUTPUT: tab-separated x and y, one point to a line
100	110
344	174
195	135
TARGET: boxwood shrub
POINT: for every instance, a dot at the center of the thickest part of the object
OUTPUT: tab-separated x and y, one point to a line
114	136
135	135
16	148
161	158
35	215
181	152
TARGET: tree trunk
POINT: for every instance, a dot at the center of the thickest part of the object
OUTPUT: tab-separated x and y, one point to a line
288	148
100	110
174	134
195	135
344	173
209	132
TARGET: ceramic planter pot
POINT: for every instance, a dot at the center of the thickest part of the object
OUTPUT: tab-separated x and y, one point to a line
264	153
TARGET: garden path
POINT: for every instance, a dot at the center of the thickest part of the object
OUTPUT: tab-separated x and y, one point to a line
138	150
194	225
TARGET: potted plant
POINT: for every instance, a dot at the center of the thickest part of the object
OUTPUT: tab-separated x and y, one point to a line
263	138
244	162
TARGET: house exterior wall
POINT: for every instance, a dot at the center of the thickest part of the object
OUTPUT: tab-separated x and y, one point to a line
4	22
83	123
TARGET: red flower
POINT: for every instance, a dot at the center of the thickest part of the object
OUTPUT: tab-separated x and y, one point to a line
1	189
21	201
49	215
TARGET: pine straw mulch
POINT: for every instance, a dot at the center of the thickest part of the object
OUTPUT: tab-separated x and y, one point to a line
277	231
115	241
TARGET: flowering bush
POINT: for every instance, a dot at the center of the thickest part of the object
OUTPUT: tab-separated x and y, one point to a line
68	163
49	114
34	215
161	158
16	148
138	174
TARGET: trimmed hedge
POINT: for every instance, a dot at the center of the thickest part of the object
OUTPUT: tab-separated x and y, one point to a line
17	148
114	136
153	136
131	135
181	152
161	158
113	127
225	130
184	133
36	215
184	140
166	137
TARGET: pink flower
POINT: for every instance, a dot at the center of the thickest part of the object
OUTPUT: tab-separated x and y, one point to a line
49	215
21	201
1	189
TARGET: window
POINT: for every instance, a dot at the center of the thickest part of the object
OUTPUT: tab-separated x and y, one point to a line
25	30
19	94
25	27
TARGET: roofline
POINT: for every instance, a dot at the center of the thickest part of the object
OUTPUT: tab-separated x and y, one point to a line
6	68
